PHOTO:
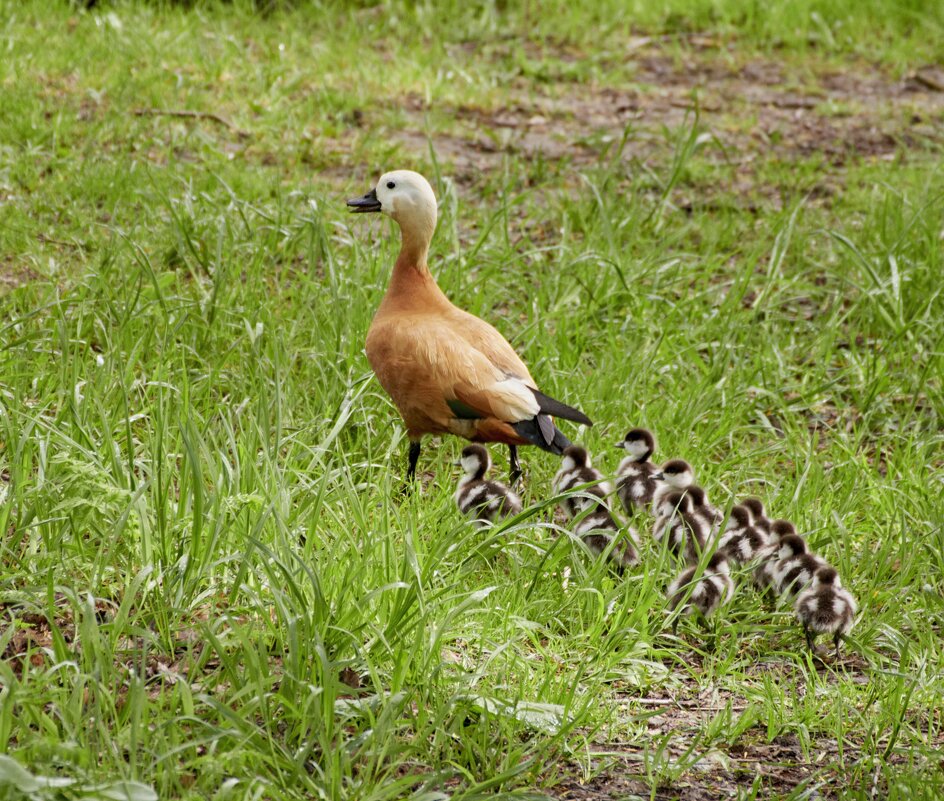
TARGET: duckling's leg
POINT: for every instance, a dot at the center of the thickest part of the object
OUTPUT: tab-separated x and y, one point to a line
809	639
514	464
414	458
836	640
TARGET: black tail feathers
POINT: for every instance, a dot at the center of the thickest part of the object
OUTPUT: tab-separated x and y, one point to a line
557	409
542	432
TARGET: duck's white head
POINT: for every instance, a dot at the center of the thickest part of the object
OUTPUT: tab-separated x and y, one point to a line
407	197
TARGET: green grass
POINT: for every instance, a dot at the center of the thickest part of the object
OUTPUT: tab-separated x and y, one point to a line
203	543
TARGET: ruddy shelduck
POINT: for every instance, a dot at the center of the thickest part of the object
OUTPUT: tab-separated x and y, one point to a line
447	371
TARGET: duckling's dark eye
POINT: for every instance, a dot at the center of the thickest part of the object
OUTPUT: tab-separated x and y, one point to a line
390	184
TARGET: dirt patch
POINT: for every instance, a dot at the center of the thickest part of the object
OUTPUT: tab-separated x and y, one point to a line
754	111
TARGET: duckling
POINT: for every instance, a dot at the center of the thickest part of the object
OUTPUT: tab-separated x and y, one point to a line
825	607
598	528
741	542
447	371
676	474
680	527
712	589
486	500
759	515
796	565
710	516
765	574
635	474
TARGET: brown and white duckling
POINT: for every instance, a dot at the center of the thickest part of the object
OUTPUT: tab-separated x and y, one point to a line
741	542
765	574
635	482
825	607
478	496
684	532
796	565
712	589
758	514
711	516
598	528
676	474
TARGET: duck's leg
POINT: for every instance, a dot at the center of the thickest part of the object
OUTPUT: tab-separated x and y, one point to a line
514	464
414	458
809	640
836	641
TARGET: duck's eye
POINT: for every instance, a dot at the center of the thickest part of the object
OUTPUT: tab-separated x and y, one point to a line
390	185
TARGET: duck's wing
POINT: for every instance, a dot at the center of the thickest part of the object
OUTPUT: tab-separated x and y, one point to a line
487	340
422	363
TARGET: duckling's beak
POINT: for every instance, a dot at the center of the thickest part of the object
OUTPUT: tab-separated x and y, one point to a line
621	444
660	476
368	202
457	463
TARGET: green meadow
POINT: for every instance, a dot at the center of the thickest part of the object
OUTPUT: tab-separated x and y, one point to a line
718	219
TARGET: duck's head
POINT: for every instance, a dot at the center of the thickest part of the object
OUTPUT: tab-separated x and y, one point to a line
680	501
575	456
755	506
792	545
404	195
781	529
678	473
639	444
826	577
739	517
697	494
475	461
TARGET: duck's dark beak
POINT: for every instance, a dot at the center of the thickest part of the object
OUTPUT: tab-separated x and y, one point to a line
660	476
368	202
621	444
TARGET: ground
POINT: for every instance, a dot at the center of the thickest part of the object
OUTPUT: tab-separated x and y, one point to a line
723	224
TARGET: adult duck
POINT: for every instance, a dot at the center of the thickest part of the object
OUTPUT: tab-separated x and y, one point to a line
447	371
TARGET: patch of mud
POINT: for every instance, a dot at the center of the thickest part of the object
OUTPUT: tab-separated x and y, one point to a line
754	111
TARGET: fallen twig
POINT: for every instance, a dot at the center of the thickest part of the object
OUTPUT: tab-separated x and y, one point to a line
200	115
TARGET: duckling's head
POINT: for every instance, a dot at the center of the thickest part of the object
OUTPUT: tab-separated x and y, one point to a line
575	456
639	444
475	461
407	197
697	494
681	501
826	577
792	545
678	473
782	528
755	506
739	517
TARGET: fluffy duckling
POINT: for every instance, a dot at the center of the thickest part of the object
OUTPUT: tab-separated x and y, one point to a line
635	474
759	515
796	565
765	574
741	542
447	371
478	496
710	515
674	475
678	525
712	589
598	528
825	607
